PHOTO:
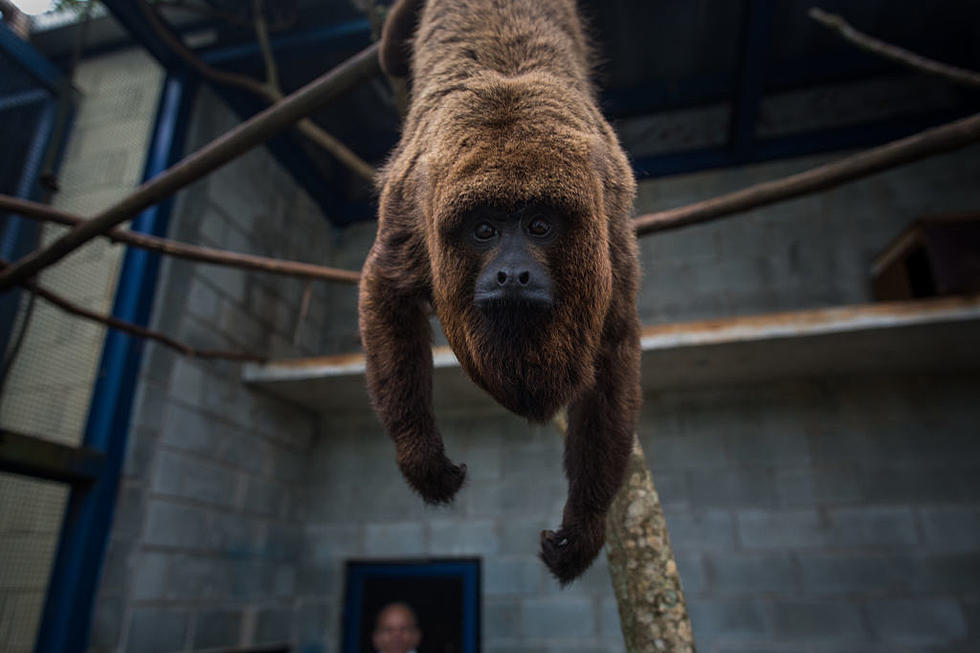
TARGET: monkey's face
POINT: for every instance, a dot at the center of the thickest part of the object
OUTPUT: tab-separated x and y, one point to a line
520	295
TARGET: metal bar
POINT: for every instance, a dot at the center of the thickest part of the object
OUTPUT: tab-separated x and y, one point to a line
30	59
940	139
792	145
242	138
24	98
52	461
128	14
756	39
350	35
36	211
88	518
20	236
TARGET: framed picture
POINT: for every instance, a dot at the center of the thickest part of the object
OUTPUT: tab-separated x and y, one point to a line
443	594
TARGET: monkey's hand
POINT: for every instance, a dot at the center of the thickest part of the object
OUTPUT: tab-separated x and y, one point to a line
431	473
569	551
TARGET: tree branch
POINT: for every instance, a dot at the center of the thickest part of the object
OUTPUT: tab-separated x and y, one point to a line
944	138
270	94
893	52
262	34
248	134
134	329
45	213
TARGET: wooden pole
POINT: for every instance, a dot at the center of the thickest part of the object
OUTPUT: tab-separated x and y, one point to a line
652	609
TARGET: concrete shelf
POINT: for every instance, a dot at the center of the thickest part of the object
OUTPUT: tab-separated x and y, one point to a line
935	335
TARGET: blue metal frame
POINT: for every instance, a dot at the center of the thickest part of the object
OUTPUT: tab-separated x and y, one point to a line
467	570
20	236
350	35
32	61
88	518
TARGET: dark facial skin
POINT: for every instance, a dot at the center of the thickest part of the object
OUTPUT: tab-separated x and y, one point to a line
513	246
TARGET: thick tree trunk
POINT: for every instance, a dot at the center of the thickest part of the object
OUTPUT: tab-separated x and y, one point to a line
652	609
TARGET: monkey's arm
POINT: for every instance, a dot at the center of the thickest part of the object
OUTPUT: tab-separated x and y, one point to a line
397	343
601	424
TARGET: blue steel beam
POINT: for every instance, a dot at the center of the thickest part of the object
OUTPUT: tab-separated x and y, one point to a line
88	517
793	145
351	35
30	59
756	40
129	15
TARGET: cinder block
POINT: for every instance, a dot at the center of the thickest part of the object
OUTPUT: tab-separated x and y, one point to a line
750	574
522	535
513	576
264	498
701	530
150	574
156	630
218	629
767	529
951	529
559	617
502	619
872	527
732	487
714	619
848	574
170	524
813	621
394	539
690	566
323	544
918	622
182	475
273	626
463	537
815	486
107	621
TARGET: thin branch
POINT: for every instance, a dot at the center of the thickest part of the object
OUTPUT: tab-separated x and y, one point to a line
134	329
43	212
243	137
944	138
893	52
268	93
262	34
204	11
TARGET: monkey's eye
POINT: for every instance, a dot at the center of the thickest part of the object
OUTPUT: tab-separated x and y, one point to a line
539	227
484	231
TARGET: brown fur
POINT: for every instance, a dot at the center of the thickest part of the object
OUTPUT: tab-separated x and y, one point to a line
503	115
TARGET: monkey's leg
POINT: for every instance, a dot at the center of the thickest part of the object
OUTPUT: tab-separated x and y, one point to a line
397	342
601	424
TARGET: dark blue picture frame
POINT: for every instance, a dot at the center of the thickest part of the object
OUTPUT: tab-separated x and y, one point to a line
467	571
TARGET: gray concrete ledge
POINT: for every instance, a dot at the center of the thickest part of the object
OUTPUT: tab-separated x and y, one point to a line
935	335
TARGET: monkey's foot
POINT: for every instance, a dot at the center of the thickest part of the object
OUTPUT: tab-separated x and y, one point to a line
437	481
570	551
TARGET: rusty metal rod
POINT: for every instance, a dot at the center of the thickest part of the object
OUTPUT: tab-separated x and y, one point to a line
250	133
936	140
134	329
43	212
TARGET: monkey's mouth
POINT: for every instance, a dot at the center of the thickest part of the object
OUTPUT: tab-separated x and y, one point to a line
513	300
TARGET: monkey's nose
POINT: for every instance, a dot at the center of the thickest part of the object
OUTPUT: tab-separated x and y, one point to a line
509	277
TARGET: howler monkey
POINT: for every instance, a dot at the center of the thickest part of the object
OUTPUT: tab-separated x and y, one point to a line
506	206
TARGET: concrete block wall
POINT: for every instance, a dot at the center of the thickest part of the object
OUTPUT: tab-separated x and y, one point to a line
360	508
209	523
805	516
824	515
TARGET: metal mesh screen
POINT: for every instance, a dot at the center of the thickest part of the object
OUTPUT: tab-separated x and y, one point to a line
30	517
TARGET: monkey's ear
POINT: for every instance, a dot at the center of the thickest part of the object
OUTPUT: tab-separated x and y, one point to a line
397	35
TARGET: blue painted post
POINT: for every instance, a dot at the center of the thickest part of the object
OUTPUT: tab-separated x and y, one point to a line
88	518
